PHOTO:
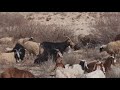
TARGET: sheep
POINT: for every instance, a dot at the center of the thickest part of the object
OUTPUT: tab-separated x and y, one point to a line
13	72
23	40
32	47
111	48
7	58
6	40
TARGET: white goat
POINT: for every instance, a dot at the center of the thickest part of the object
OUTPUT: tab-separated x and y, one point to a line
98	73
73	71
94	74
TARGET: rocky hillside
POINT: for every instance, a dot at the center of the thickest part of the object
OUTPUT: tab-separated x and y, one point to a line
77	21
80	22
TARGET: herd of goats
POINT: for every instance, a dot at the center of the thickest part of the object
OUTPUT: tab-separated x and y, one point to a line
55	50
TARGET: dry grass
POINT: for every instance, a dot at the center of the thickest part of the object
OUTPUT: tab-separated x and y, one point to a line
106	28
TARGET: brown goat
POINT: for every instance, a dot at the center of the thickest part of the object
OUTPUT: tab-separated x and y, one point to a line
16	73
99	66
90	66
108	62
59	63
59	60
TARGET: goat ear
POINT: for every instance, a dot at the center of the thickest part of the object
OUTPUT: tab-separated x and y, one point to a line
31	38
101	49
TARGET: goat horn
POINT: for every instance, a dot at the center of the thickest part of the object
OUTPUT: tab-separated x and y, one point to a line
67	37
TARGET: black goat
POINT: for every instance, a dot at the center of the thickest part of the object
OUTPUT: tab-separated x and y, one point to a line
19	52
42	57
55	53
49	46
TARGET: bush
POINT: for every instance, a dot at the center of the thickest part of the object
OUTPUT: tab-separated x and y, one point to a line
41	33
106	27
11	19
88	41
15	25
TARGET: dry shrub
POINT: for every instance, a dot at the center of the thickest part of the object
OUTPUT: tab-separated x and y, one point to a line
51	33
88	41
11	19
93	54
84	54
46	69
71	58
41	33
15	25
106	27
21	31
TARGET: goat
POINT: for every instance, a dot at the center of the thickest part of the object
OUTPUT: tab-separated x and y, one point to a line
99	66
67	71
58	60
16	73
58	45
108	62
20	52
55	53
112	48
97	72
94	74
89	67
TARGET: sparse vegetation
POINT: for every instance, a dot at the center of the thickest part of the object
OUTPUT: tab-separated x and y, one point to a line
103	31
106	27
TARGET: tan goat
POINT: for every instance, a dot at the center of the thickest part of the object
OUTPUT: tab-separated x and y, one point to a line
16	73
